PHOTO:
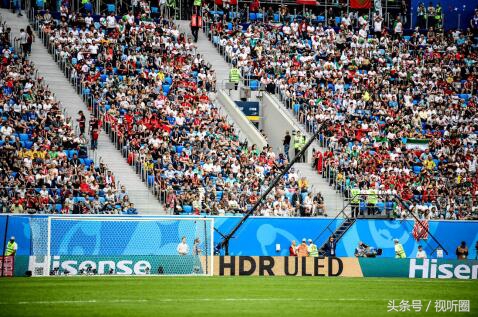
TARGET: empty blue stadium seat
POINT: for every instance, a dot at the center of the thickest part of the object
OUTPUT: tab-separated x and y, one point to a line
187	209
24	137
28	144
166	89
254	84
417	169
219	195
111	8
78	199
88	7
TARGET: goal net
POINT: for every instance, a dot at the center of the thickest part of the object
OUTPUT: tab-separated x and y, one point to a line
105	245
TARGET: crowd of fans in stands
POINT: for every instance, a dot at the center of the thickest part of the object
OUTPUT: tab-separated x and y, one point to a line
152	89
44	166
383	92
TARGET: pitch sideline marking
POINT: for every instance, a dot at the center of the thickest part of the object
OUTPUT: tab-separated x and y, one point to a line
94	301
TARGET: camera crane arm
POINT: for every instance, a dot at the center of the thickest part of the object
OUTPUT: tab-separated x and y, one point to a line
226	238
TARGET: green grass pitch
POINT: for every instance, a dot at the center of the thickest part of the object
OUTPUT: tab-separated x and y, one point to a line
226	296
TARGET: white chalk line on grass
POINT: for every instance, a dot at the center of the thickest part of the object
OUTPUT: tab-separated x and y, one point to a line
162	300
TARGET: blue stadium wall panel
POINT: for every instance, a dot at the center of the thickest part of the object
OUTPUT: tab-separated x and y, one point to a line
259	236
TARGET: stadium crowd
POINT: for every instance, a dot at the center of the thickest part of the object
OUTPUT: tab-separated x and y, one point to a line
402	107
44	164
151	88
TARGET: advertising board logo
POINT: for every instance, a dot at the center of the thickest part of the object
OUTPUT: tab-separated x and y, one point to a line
74	265
434	269
269	265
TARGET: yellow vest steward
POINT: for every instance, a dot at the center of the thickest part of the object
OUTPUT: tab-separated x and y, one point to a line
234	75
10	248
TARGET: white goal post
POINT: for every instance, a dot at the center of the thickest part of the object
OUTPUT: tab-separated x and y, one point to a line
106	245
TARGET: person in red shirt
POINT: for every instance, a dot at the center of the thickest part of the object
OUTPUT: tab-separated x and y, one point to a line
293	249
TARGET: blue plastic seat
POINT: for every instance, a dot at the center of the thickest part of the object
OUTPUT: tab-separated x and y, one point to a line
28	144
111	8
219	195
78	199
252	16
88	7
24	137
254	85
417	169
187	209
166	89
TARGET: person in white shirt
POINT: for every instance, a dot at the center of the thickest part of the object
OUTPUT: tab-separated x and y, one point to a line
183	248
421	254
110	22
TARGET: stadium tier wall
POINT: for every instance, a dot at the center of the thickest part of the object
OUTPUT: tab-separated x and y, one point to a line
259	236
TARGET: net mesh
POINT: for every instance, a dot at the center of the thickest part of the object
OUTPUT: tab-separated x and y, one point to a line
157	241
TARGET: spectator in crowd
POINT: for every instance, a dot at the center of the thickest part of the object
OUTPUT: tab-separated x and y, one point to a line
81	122
30	39
462	251
421	254
286	143
23	39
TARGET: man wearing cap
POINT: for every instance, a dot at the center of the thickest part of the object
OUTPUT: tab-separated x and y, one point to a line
399	251
312	248
11	248
421	254
302	249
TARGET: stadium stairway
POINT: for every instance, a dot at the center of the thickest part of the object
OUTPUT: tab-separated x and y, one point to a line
210	54
334	202
139	194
